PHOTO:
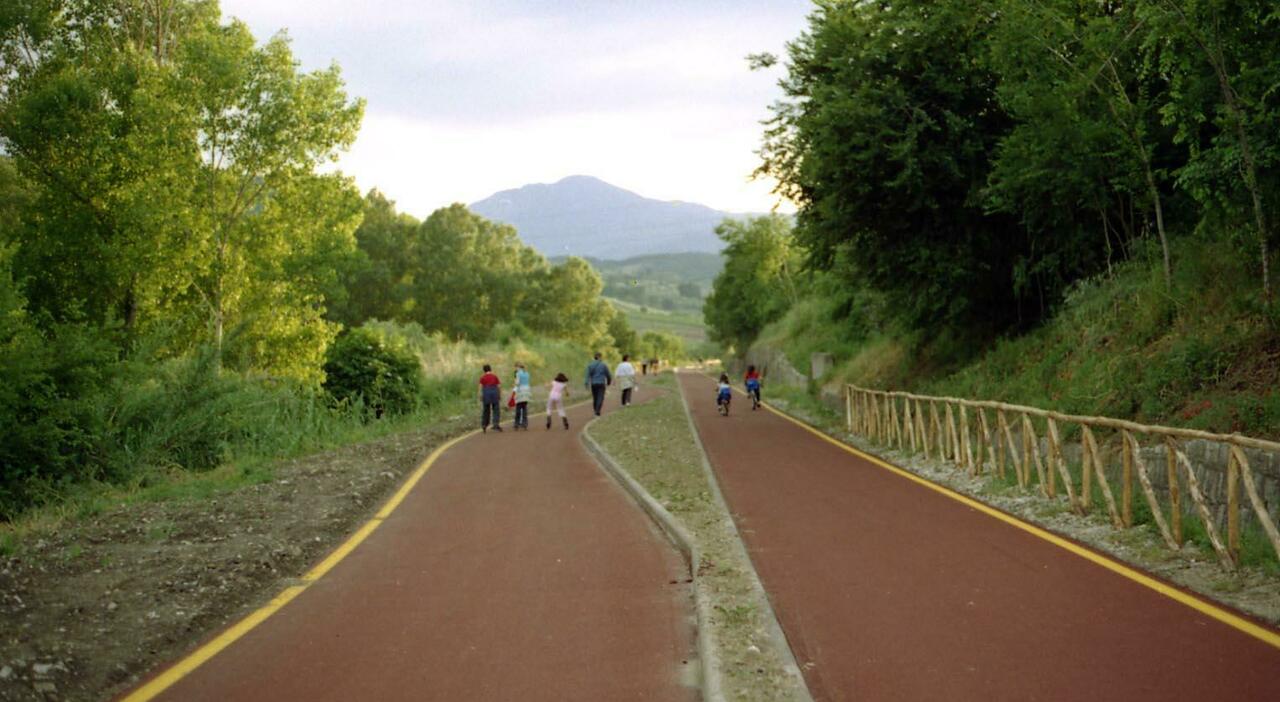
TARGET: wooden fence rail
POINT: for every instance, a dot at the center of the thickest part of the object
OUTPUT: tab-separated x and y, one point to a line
979	436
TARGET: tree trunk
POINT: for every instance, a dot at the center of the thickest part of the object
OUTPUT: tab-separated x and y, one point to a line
218	323
218	303
1130	128
1154	192
1250	172
129	308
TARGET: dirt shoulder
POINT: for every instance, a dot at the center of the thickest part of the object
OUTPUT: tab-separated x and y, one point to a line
88	609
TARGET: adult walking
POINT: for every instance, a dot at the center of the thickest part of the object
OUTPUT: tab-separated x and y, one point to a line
626	375
598	377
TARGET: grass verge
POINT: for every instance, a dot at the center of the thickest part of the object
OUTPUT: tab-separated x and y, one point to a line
654	443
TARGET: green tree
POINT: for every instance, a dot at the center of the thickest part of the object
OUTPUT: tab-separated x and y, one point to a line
885	143
48	378
662	346
15	201
94	116
175	164
469	273
377	279
262	128
690	290
758	282
568	305
1220	62
624	337
1088	149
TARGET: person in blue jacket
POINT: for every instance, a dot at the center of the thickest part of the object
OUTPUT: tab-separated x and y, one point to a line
598	378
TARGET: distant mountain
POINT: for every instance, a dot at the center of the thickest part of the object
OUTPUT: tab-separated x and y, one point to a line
585	216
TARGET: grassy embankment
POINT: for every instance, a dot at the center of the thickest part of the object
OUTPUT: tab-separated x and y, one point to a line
267	427
1202	355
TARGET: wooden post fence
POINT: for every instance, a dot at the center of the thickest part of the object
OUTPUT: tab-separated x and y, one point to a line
1007	438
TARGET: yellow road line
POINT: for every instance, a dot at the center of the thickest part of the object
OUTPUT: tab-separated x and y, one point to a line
397	498
194	660
180	669
341	552
1231	619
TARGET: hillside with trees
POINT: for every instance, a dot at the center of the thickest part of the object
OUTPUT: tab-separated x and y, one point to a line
1063	204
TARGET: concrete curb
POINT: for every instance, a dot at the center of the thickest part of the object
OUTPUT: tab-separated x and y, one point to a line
777	638
709	661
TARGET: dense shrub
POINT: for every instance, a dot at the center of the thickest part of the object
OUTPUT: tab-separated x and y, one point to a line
73	413
47	385
360	367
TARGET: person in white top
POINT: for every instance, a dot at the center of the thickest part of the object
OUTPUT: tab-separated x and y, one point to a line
625	373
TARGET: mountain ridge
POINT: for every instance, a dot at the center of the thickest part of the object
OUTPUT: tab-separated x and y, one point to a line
582	215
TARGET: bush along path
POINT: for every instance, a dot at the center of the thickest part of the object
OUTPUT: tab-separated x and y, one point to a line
745	655
891	588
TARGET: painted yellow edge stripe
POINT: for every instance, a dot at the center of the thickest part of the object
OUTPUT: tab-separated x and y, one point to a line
1230	619
180	669
342	551
184	667
403	492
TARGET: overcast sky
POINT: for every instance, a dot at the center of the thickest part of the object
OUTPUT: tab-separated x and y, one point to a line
468	97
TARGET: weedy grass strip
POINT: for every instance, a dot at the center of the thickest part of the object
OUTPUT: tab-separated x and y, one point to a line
654	442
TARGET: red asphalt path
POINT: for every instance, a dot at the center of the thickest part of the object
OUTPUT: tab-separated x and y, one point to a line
888	590
514	570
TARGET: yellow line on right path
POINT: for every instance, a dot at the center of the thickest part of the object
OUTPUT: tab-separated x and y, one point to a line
1231	619
1209	609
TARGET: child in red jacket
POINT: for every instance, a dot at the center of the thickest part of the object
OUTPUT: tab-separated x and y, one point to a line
490	398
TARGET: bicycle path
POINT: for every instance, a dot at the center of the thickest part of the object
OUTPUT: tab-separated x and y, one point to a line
514	570
888	590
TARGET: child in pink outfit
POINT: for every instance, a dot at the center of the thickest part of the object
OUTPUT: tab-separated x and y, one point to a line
559	391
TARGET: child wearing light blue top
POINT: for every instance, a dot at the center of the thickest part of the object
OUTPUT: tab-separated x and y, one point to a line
523	394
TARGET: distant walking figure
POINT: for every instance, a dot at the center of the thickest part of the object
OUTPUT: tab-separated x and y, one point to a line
556	398
524	393
626	375
598	377
490	397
